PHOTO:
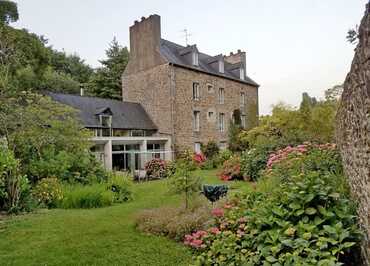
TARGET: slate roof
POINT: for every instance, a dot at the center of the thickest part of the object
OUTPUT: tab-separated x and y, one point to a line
125	115
171	52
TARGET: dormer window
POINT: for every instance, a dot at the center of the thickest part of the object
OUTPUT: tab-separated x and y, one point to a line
195	58
242	73
221	66
106	120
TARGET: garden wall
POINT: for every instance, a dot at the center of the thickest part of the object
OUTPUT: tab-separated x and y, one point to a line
353	128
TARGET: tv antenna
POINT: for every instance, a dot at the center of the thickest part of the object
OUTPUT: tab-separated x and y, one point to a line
186	35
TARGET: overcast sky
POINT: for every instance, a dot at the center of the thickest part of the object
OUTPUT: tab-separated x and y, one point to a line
292	46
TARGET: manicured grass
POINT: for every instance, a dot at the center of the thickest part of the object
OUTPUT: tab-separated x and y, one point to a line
104	236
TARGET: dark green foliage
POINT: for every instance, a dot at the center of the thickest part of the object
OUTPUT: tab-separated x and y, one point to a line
14	187
210	150
304	218
254	160
234	141
352	35
48	139
106	81
8	12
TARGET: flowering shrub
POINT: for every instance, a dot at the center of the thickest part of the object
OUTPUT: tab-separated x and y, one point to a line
119	184
156	168
283	154
231	169
307	219
199	158
306	223
48	192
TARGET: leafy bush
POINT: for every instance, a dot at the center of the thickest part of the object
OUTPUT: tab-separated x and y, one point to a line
48	192
174	222
156	168
224	155
305	219
254	160
88	196
210	149
119	184
231	169
14	188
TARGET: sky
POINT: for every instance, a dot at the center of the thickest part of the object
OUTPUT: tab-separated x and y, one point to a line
292	46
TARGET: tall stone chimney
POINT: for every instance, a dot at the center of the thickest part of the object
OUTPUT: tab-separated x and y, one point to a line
145	38
237	58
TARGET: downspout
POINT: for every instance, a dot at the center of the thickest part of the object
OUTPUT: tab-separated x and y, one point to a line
173	97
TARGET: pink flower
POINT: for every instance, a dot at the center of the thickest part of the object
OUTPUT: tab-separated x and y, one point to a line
215	230
218	212
228	206
242	220
196	243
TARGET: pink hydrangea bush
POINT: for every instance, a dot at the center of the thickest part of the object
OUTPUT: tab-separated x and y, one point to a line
289	151
156	168
199	158
231	169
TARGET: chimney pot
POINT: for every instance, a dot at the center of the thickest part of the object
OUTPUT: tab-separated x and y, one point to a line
231	53
142	18
239	51
136	22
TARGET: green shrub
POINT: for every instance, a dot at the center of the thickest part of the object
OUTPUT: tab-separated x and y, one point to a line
89	196
299	214
120	185
174	222
254	160
48	192
210	150
224	155
14	188
306	222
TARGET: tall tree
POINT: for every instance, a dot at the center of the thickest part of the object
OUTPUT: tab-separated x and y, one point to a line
8	12
106	82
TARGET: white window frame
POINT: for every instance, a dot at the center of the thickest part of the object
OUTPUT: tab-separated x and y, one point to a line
197	147
242	98
221	66
243	118
196	91
196	121
222	145
195	58
221	95
221	122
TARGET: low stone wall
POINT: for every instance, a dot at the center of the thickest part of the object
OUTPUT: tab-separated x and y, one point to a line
353	129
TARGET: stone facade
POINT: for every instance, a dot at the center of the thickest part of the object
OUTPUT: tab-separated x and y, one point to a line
353	129
165	90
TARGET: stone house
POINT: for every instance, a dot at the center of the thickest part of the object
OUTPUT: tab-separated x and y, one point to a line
189	95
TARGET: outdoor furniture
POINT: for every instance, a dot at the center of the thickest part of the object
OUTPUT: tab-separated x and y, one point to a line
214	192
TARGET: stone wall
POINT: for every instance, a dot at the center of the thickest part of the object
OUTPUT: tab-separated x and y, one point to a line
353	129
208	102
151	88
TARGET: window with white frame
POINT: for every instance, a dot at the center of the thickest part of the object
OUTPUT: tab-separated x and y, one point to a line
221	95
196	91
242	98
197	147
196	120
221	122
242	73
221	66
195	58
222	145
243	120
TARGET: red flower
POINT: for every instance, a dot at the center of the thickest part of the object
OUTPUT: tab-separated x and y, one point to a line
218	212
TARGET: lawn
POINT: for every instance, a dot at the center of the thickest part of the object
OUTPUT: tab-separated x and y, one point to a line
104	236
